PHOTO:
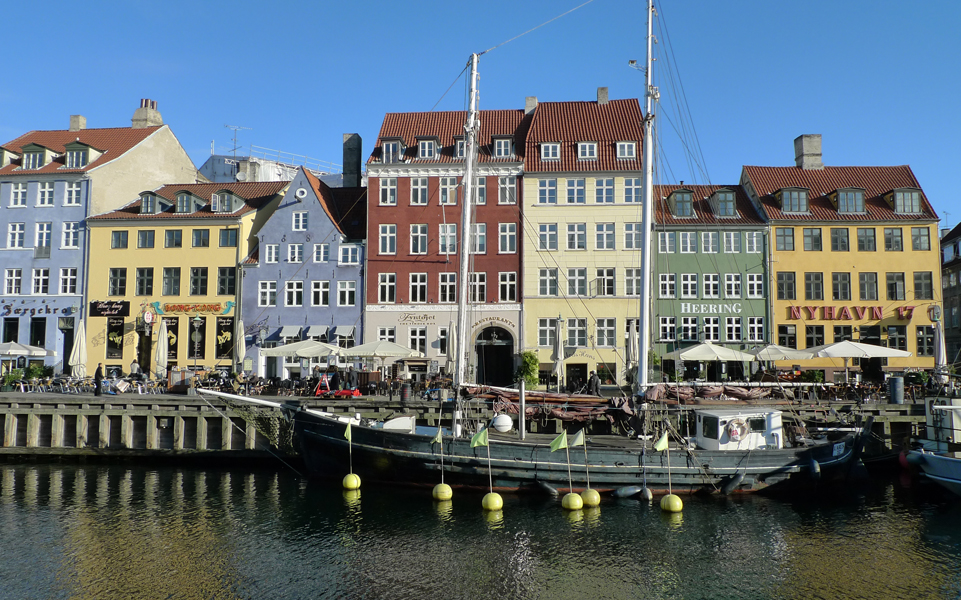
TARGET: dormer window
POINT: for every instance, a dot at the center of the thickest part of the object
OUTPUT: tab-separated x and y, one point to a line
850	201
391	152
551	151
76	159
724	204
32	160
907	201
626	150
503	148
183	203
587	150
427	149
222	203
794	200
683	203
460	148
148	204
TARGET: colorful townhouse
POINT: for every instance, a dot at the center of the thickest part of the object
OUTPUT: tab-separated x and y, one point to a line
50	182
581	224
853	255
303	278
710	275
951	286
172	255
416	196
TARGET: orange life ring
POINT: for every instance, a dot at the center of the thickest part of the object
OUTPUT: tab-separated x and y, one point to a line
737	430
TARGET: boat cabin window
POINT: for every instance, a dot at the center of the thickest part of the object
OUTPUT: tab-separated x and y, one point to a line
757	423
710	425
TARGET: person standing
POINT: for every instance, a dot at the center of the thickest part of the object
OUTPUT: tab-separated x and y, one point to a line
594	385
97	379
351	378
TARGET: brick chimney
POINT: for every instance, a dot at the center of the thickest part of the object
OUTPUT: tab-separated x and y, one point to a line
530	104
78	122
807	151
601	95
147	115
352	160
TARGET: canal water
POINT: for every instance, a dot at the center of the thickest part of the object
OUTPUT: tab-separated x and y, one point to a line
103	532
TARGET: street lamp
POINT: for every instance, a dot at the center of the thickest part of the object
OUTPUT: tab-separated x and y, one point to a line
195	337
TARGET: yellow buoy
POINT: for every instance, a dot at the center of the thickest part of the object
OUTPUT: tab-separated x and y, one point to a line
492	501
671	503
591	497
572	501
351	482
442	491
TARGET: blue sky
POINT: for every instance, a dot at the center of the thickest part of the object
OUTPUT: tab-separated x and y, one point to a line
878	79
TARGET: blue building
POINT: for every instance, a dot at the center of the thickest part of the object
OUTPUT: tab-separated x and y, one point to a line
304	279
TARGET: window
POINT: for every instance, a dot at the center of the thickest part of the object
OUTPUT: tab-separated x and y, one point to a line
794	201
925	340
44	235
550	151
294	293
632	237
448	288
295	253
547	191
427	149
228	238
448	191
116	282
171	284
784	237
755	329
145	238
507	190
786	289
507	243
725	204
814	335
387	334
388	191
732	285
812	239
576	191
73	194
418	339
850	201
547	282
712	329
76	159
18	195
15	235
320	293
478	287
632	282
683	204
546	332
448	238
183	203
418	191
604	190
201	238
391	152
787	336
587	150
68	280
577	282
920	239
688	242
577	236
666	240
418	239
868	285
478	238
226	281
839	240
32	160
604	236
321	253
923	285
577	332
606	333
144	281
418	288
172	239
814	286
841	286
689	285
907	202
709	242
349	255
12	280
148	204
755	285
626	150
892	239
442	340
895	286
386	288
198	281
272	253
346	293
388	239
46	194
688	328
732	329
753	242
118	239
507	288
866	241
712	285
667	330
605	282
299	221
503	148
898	337
633	192
547	236
732	242
668	285
843	333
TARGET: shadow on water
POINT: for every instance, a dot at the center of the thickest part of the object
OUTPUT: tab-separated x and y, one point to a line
120	532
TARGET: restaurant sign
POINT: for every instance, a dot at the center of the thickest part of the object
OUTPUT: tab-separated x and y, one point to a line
110	308
844	313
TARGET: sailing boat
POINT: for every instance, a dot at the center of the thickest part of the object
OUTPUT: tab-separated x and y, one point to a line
729	450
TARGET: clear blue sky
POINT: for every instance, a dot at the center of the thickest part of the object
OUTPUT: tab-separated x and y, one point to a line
879	79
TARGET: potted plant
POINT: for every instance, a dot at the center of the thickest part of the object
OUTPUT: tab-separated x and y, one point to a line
11	378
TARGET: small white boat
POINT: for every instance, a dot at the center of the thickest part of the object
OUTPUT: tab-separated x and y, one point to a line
943	467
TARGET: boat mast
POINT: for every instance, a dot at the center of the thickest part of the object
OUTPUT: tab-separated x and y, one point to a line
470	156
650	96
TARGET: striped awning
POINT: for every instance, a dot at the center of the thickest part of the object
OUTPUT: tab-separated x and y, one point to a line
344	330
316	331
290	331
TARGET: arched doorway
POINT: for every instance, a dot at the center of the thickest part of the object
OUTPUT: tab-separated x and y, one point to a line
495	356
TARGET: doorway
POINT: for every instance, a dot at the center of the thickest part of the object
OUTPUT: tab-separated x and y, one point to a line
495	357
576	377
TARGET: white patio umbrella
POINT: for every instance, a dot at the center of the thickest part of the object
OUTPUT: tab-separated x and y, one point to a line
319	349
847	349
558	357
451	347
940	353
240	345
295	349
380	349
78	356
160	353
775	352
706	351
12	349
630	352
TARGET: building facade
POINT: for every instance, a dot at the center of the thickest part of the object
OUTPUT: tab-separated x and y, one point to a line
951	286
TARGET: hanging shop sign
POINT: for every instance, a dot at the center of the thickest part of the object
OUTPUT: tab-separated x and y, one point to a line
110	308
225	337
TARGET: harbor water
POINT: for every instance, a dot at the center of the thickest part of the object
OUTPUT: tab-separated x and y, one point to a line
103	532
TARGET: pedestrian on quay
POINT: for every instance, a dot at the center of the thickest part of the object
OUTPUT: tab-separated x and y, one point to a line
97	379
594	385
351	378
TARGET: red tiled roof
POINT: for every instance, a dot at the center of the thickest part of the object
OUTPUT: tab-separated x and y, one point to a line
253	257
254	194
703	213
447	127
346	207
112	142
572	122
876	181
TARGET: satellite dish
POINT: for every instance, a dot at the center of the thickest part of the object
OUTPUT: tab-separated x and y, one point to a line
242	176
301	193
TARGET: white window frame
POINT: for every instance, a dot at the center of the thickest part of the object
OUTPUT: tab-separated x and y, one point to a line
633	190
666	242
387	288
550	151
388	191
732	329
294	293
710	242
711	287
349	255
755	285
586	150
755	329
667	329
347	293
507	190
507	286
41	282
417	288
45	194
668	285
271	253
447	288
547	236
626	150
752	242
577	191
13	282
732	242
295	253
478	287
321	253
606	333
503	148
577	333
577	236
418	238
478	241
688	242
18	195
712	329
547	284
547	191
447	238
419	191
632	282
299	221
70	235
604	236
320	293
448	191
689	283
732	285
427	149
604	190
68	281
387	240
633	236
507	238
577	281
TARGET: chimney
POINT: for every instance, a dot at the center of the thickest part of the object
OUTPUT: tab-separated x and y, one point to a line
807	151
78	122
352	148
530	104
944	233
601	95
147	115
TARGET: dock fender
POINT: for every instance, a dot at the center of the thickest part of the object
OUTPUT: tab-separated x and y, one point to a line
548	488
732	483
627	491
815	469
915	459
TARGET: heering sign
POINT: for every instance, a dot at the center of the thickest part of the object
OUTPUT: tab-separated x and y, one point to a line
695	308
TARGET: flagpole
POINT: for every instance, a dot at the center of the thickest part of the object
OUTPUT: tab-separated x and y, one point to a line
490	474
586	469
570	482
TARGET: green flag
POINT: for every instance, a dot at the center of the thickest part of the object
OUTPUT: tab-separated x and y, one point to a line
479	439
347	432
437	438
578	439
661	444
559	442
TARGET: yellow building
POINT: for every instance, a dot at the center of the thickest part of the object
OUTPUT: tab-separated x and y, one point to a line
582	236
853	256
171	256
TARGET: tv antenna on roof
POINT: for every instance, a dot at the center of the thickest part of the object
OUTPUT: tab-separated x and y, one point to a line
235	128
